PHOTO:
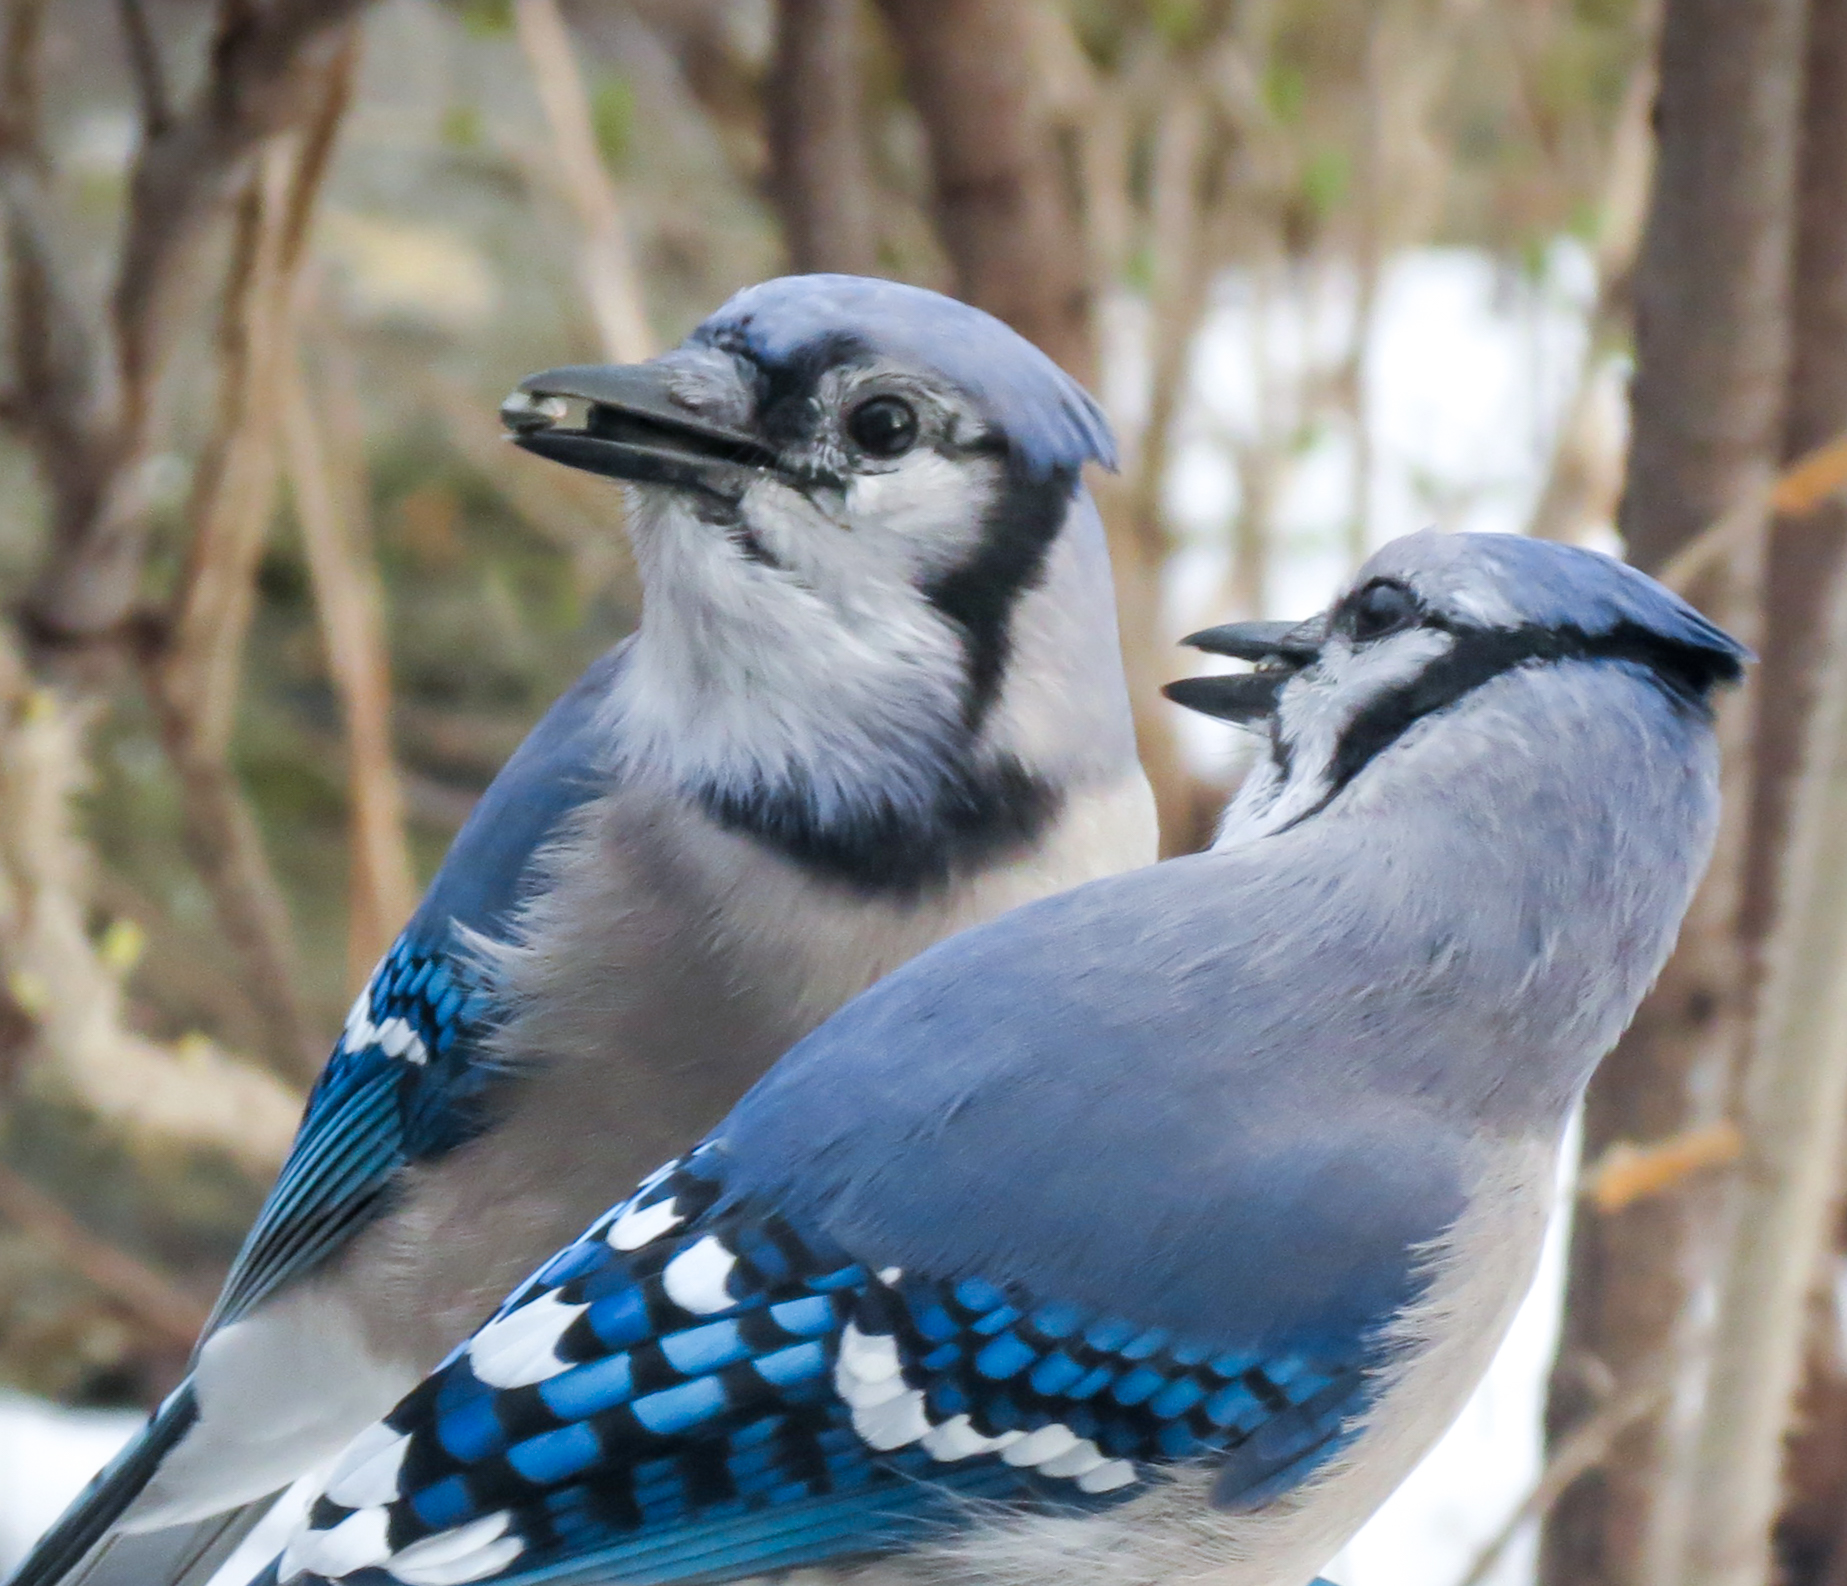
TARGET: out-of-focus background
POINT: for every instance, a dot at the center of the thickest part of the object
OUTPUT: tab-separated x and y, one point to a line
279	601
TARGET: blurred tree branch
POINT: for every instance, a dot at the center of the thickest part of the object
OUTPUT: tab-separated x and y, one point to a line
83	399
1001	203
381	889
196	674
1794	1098
1802	666
70	987
818	173
1712	346
150	1296
144	62
612	280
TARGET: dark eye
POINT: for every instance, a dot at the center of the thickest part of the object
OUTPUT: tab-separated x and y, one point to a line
883	427
1380	608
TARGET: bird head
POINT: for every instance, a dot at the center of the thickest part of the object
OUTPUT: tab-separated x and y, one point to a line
861	531
1428	620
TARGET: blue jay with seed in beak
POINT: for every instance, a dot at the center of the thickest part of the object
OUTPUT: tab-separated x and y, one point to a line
875	697
1151	1232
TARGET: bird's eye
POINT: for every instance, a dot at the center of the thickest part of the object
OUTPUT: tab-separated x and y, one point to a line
884	427
1380	608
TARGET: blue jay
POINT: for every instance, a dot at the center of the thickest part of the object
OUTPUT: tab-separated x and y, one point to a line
875	697
1152	1231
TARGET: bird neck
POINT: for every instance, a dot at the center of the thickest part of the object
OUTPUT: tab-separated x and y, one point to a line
851	746
1529	852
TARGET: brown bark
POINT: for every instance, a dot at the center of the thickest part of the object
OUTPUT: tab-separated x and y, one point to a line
818	174
1001	205
195	679
85	402
1805	560
1712	348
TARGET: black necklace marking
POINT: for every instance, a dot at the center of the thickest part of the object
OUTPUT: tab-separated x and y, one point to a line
1685	673
980	595
977	812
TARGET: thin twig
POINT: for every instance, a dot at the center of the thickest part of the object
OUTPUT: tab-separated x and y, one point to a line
1627	1173
1582	1451
266	71
198	680
347	597
137	1287
1800	489
611	279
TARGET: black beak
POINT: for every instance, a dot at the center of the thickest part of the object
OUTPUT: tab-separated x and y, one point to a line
1241	697
1296	643
1280	649
635	429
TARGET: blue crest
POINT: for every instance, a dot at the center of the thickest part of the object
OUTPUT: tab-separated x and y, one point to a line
1050	421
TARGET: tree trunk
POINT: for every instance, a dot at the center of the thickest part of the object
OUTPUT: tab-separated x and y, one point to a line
1794	1098
1711	347
817	147
1001	205
1805	562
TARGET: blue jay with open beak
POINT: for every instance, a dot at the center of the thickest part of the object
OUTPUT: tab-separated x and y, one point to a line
1151	1232
875	697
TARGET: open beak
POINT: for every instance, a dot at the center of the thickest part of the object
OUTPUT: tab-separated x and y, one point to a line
1280	650
633	429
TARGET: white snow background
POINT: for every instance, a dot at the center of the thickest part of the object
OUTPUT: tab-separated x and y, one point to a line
1469	368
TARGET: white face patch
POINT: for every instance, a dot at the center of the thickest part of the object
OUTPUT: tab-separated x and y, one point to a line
1313	714
925	511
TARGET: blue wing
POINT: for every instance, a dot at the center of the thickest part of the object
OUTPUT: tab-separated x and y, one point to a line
406	1079
698	1391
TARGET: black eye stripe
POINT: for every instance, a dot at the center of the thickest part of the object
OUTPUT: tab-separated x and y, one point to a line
1685	673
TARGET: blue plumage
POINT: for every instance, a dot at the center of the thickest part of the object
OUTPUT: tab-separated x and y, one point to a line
1173	1216
404	1083
875	695
651	1416
382	1101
